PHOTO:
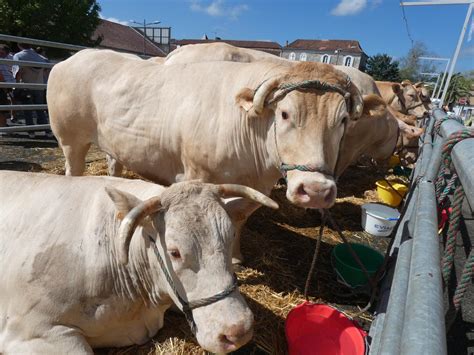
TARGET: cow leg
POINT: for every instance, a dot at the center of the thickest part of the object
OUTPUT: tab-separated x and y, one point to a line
113	166
75	158
57	340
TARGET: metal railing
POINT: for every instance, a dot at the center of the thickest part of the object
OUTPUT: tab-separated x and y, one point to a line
31	86
410	317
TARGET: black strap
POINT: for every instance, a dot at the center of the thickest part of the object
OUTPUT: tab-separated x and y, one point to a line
187	307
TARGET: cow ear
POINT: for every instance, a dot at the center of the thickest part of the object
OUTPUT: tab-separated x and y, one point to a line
418	84
245	99
406	83
374	107
239	208
123	201
397	88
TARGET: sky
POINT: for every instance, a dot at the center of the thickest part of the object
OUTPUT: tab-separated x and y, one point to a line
377	24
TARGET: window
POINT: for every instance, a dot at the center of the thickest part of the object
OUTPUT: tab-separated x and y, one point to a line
348	61
292	56
326	59
303	57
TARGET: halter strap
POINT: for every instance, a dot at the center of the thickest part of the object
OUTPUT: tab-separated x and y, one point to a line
187	307
314	85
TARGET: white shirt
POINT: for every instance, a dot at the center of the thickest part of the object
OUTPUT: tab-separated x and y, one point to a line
30	74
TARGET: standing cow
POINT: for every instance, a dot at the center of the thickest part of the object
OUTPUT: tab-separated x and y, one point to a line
96	261
374	134
226	122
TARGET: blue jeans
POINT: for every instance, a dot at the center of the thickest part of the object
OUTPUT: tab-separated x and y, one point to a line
35	97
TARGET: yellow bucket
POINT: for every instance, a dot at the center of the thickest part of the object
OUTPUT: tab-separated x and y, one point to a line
394	161
388	195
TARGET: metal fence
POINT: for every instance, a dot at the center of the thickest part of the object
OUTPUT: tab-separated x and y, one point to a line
32	86
411	313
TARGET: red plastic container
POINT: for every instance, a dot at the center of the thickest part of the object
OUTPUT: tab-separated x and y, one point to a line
318	329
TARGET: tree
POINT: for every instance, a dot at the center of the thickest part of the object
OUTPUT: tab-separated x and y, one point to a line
459	86
410	66
70	22
381	67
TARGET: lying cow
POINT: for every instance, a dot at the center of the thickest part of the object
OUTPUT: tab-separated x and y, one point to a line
86	262
226	122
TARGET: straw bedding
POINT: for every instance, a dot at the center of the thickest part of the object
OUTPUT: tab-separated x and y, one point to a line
278	247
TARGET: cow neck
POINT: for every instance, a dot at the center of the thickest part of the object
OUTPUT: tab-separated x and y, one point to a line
187	307
137	280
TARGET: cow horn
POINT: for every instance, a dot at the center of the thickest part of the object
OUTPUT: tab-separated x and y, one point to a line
130	222
234	190
262	92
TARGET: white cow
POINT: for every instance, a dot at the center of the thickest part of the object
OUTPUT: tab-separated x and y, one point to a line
225	122
85	262
375	134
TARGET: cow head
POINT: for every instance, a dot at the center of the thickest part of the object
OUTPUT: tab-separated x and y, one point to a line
424	94
373	134
407	100
305	125
191	230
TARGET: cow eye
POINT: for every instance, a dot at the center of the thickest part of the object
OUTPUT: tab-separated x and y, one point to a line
175	254
344	119
284	115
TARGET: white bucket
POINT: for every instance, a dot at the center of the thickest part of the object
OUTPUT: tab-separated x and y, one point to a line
378	219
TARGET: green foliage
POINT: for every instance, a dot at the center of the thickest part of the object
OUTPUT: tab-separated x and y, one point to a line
381	67
410	66
65	21
459	86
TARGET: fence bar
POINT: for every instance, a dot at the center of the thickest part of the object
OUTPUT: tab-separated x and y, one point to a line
395	314
463	159
435	161
38	127
424	328
39	42
23	86
22	107
25	63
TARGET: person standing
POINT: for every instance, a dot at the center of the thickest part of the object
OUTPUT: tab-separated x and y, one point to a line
6	75
30	75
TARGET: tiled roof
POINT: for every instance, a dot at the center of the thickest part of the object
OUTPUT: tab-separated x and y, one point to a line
125	38
325	45
266	46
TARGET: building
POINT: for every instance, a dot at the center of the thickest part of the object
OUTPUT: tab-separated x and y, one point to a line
264	46
126	39
337	52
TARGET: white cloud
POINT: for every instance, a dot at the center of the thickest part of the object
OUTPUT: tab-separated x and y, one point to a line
218	8
349	7
352	7
113	19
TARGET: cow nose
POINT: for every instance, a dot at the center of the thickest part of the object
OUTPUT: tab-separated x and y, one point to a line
329	195
307	192
235	336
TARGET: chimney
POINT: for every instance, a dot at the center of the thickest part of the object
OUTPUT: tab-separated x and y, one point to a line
286	45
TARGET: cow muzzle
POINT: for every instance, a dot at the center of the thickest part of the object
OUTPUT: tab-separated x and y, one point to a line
311	189
224	326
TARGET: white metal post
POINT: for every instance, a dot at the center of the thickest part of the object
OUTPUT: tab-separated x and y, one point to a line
456	53
461	37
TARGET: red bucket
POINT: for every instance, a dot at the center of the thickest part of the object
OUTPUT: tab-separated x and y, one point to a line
320	329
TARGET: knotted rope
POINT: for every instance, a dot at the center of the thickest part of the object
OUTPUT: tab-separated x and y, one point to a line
443	188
